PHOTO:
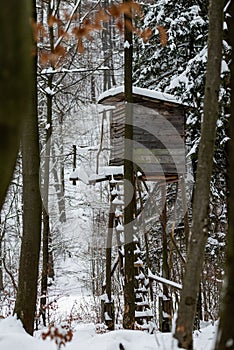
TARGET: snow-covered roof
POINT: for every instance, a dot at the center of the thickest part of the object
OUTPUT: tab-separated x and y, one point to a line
150	94
89	177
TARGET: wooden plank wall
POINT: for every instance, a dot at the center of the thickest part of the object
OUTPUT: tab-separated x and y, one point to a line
159	138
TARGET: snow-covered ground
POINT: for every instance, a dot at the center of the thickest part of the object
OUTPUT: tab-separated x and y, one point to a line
13	336
70	298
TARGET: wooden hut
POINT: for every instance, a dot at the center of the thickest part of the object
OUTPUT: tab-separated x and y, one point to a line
158	132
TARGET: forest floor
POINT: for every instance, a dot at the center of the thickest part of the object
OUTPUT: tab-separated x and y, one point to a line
72	303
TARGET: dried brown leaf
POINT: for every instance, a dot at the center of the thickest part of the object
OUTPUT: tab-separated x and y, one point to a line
84	31
146	34
63	33
136	7
44	58
101	16
114	11
130	8
80	46
53	20
39	31
60	51
119	25
162	35
129	25
79	32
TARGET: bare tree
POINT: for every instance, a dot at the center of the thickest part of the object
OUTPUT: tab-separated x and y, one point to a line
200	225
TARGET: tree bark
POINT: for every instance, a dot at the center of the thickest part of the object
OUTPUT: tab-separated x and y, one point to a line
15	83
165	315
129	183
109	306
1	260
106	51
226	327
59	185
25	306
46	219
187	306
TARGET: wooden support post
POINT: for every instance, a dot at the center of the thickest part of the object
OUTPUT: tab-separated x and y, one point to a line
165	314
165	301
109	316
185	210
74	162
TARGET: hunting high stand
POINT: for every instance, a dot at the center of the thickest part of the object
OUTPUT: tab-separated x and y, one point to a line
158	155
158	158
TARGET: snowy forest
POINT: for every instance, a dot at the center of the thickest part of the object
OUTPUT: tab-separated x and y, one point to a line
117	178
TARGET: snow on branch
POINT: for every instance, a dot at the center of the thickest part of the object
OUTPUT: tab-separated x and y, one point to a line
163	280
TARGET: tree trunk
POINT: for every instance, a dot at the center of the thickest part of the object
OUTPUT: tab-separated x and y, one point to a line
15	83
109	304
25	306
187	306
165	315
59	185
106	51
46	218
47	259
129	183
45	264
1	261
226	327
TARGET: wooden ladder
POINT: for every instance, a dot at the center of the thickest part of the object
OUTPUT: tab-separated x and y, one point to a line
143	313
